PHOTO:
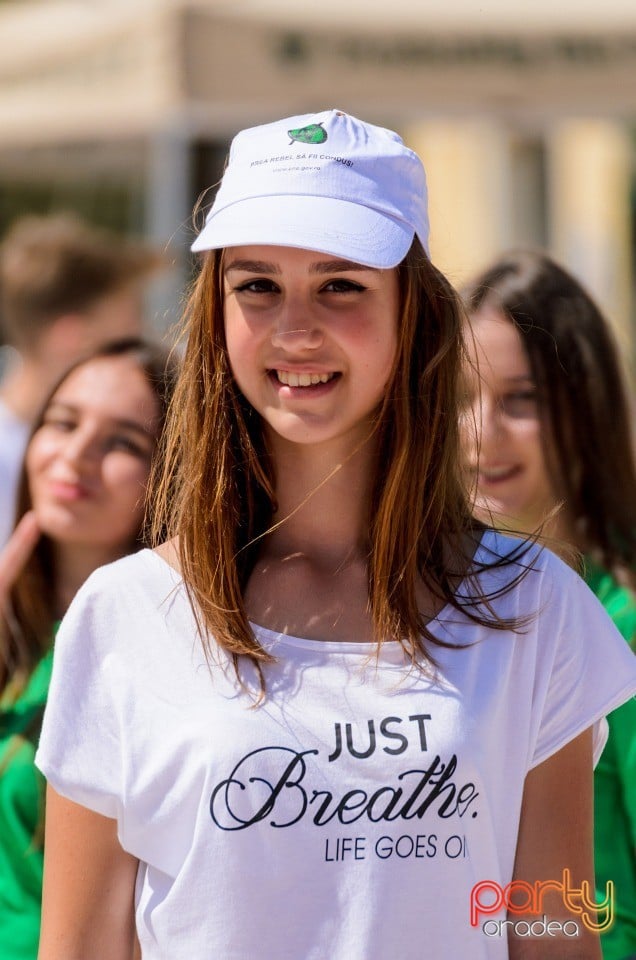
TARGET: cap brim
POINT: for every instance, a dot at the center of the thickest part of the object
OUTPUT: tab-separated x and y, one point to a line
341	228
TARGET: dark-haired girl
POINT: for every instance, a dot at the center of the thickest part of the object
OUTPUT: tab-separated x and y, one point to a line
555	428
81	505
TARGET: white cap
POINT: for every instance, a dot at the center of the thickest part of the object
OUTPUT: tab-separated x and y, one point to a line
324	182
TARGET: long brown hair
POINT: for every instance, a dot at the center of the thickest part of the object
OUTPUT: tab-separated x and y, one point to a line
26	628
587	435
215	489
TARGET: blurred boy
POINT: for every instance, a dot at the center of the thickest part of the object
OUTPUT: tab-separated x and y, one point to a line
65	287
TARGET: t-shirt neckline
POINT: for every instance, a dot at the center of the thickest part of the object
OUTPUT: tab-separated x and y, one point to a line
275	637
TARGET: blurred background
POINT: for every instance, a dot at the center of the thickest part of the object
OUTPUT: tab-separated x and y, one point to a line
524	115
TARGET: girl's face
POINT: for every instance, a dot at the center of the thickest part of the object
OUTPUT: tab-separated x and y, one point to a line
502	428
88	464
311	340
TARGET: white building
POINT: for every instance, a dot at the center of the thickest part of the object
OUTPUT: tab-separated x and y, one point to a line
524	117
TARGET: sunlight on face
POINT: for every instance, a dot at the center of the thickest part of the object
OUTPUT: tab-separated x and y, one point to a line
502	429
88	464
311	341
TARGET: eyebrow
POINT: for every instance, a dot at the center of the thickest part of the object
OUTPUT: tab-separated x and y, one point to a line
120	422
320	267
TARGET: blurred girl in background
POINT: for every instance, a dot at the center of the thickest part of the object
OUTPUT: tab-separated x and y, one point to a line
81	505
553	449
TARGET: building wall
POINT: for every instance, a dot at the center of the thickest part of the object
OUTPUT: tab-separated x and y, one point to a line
527	134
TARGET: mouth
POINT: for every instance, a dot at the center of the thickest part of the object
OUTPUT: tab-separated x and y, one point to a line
305	380
68	492
496	475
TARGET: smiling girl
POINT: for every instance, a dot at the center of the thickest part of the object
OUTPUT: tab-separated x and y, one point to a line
81	505
331	703
554	447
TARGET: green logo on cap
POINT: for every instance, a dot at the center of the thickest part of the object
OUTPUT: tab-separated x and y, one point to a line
313	133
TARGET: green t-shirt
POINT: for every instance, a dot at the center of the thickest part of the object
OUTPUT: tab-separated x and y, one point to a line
615	787
21	816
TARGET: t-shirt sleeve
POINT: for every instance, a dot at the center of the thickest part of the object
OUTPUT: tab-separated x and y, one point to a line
585	668
80	749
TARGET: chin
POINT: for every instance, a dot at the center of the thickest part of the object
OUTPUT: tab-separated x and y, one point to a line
495	512
301	433
61	528
56	524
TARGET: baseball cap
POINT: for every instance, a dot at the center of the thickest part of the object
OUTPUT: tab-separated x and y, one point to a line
326	182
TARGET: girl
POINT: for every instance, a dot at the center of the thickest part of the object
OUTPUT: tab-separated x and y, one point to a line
555	427
81	505
332	704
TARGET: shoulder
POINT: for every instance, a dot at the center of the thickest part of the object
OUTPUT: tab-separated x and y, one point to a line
525	565
129	617
123	597
169	552
550	600
135	573
525	583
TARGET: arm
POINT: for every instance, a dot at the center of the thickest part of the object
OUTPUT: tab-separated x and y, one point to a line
89	882
555	833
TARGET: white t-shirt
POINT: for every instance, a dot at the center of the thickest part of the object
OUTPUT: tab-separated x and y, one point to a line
14	434
350	815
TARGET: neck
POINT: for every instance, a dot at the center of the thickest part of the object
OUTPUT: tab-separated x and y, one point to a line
323	501
73	564
556	528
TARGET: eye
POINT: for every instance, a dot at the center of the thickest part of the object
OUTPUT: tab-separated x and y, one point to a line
126	444
342	285
258	285
520	404
63	424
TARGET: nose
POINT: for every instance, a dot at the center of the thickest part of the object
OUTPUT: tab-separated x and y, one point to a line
488	426
296	327
80	449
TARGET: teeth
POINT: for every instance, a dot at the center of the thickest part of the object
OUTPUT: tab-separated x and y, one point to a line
302	379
